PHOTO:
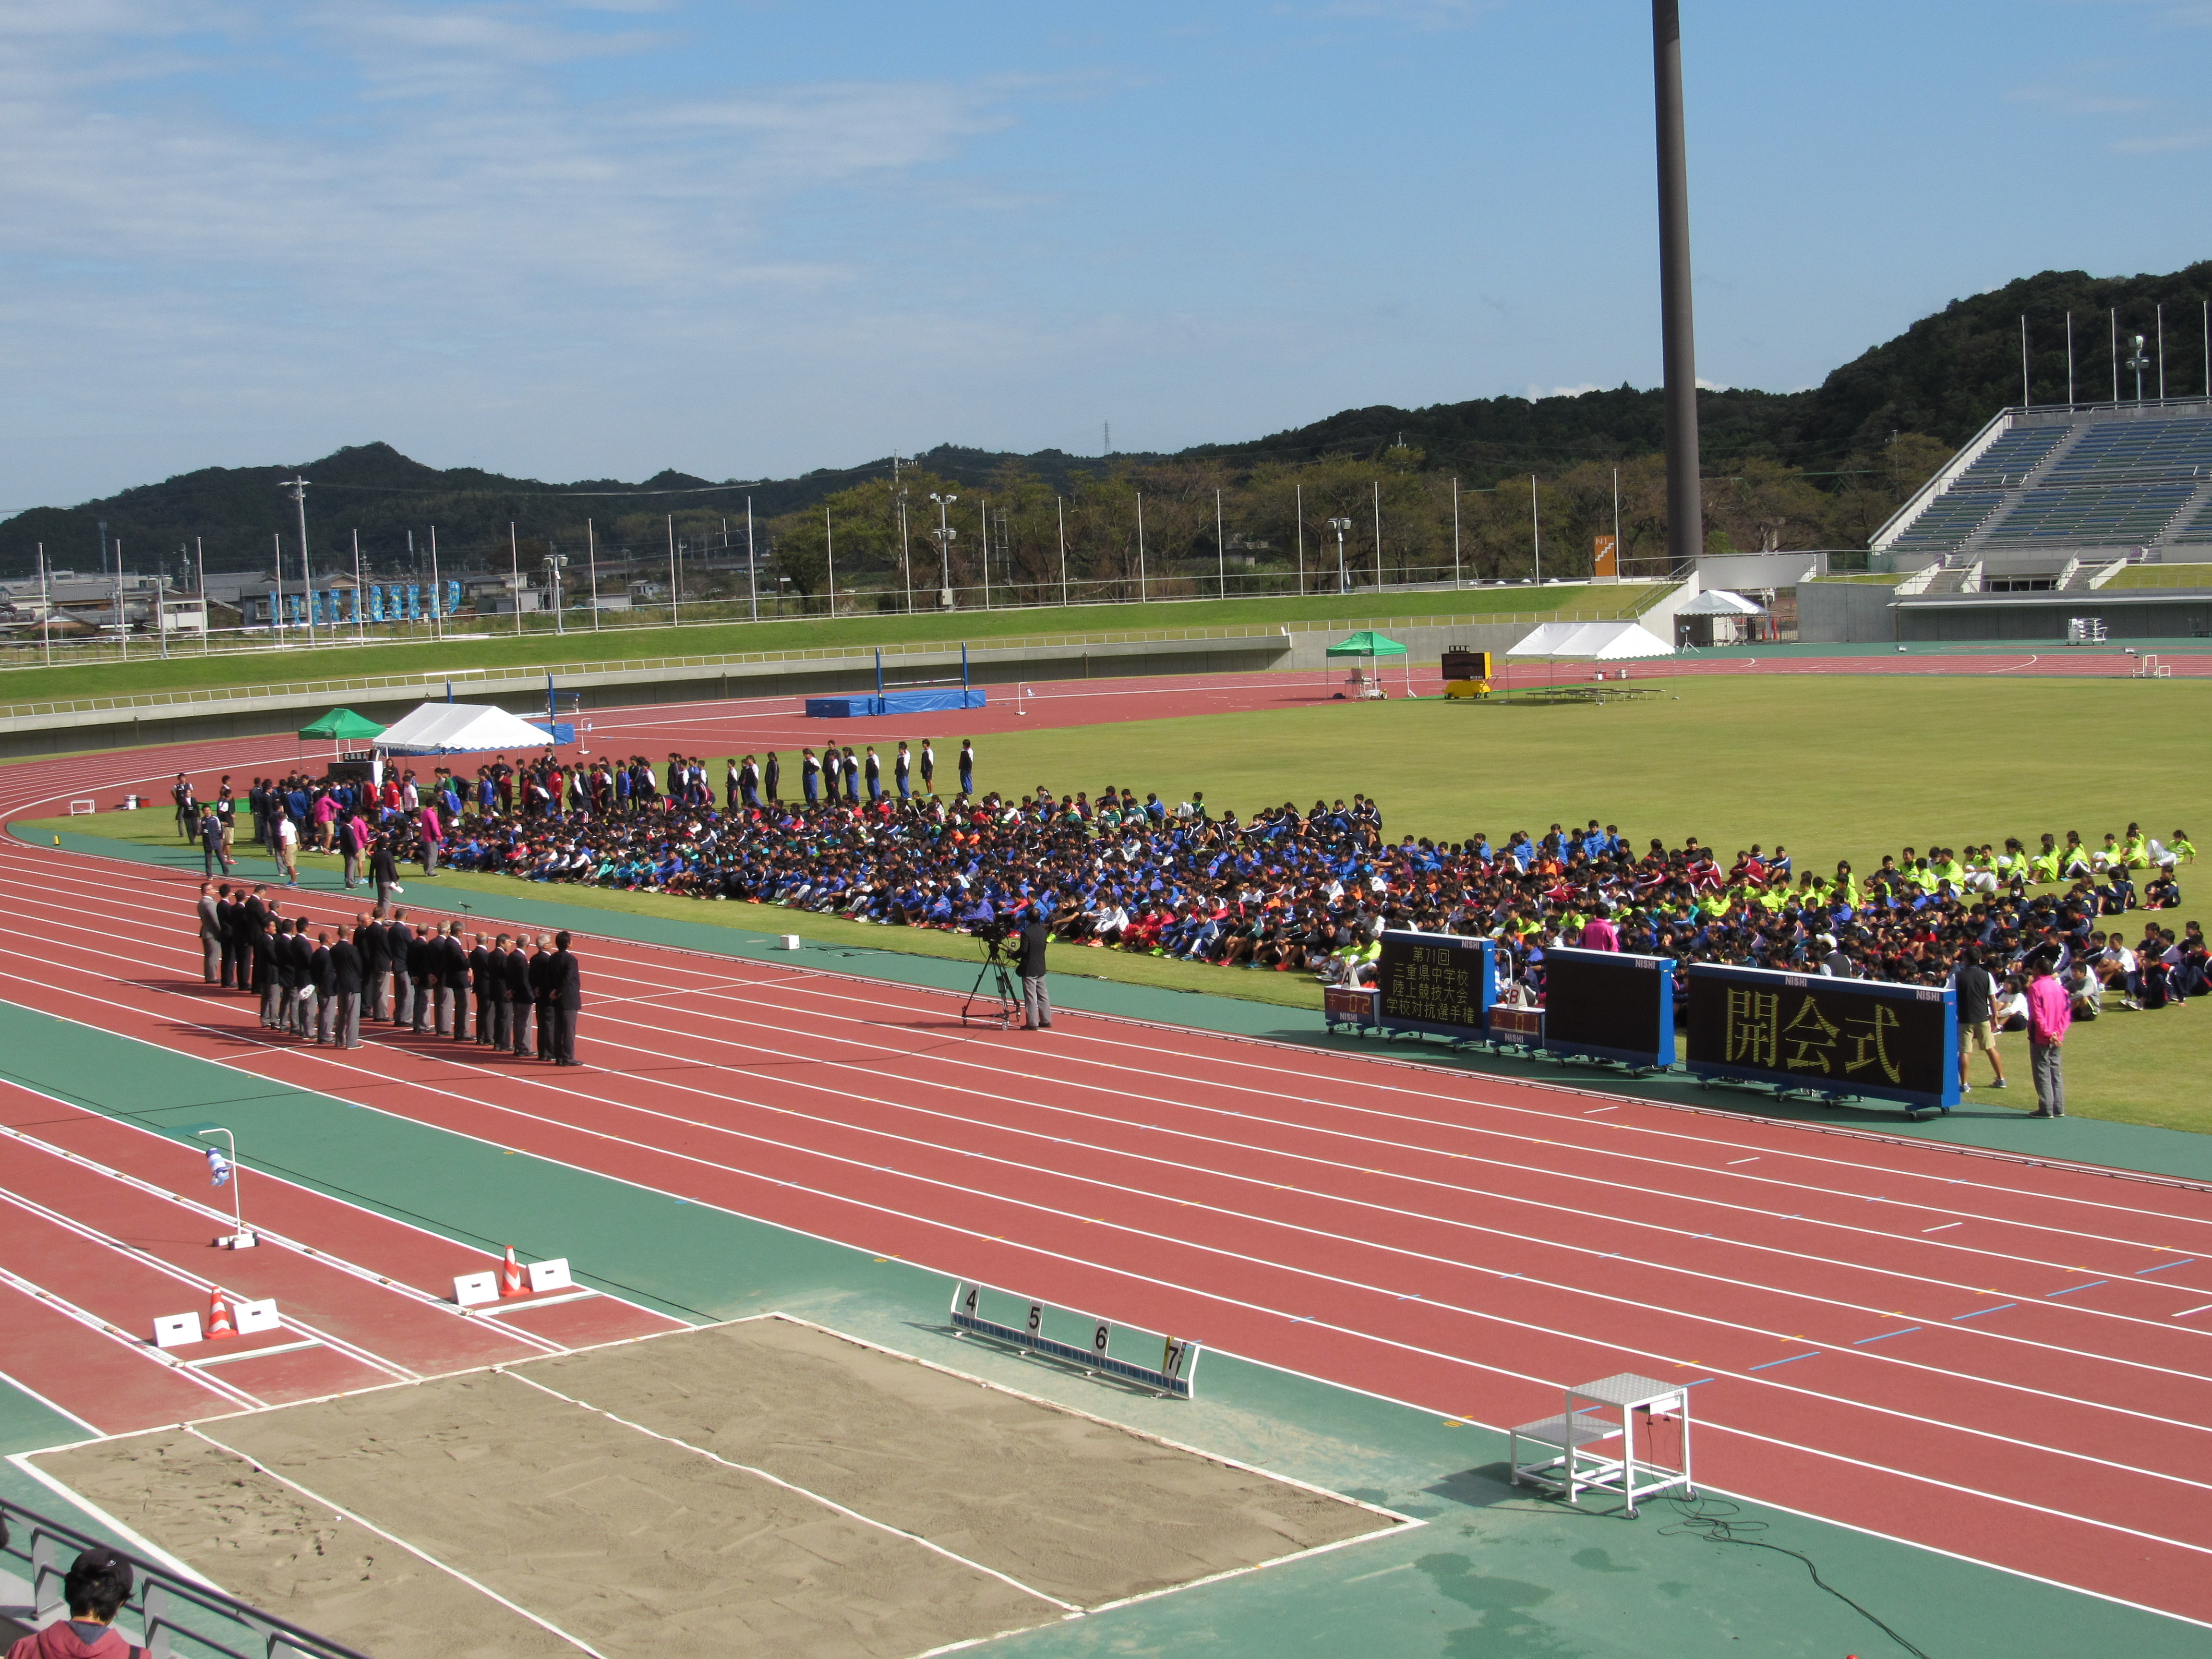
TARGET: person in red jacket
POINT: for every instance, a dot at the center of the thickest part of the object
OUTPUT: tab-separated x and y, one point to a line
96	1586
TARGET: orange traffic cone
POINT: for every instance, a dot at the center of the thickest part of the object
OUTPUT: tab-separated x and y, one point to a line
510	1275
219	1323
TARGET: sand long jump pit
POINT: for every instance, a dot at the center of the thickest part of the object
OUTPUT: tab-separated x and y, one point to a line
765	1487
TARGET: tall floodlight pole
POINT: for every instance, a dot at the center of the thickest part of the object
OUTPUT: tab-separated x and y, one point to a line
2027	387
2161	353
1060	507
829	541
437	593
46	607
944	535
360	616
752	567
277	599
298	486
1536	522
906	546
1685	515
2138	362
2069	357
592	568
1298	511
199	560
674	598
1343	574
515	573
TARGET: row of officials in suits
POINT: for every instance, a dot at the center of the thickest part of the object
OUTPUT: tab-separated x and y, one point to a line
319	980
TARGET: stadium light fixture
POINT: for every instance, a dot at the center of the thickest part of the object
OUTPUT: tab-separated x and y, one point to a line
1343	575
944	535
2139	362
1685	517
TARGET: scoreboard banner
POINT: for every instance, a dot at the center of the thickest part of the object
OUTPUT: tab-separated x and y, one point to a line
1841	1037
1435	982
1609	1006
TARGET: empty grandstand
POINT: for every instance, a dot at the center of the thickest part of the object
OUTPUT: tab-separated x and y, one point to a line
2042	510
2060	499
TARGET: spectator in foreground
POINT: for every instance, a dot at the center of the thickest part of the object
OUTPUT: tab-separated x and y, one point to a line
2049	1014
1977	992
97	1585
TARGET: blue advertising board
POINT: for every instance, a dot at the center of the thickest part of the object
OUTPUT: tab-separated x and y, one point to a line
1836	1036
1609	1006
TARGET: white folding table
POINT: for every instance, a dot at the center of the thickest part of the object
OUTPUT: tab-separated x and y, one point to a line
1575	1451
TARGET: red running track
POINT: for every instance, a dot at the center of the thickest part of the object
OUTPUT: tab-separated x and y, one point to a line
2001	1361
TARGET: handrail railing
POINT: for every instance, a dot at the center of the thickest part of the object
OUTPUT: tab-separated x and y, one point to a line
160	1597
486	678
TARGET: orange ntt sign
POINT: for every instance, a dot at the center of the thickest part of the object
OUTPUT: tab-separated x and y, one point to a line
1605	560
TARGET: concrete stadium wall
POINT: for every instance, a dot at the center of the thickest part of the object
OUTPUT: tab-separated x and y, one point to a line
1992	619
1845	613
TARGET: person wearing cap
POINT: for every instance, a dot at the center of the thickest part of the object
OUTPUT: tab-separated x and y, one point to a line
96	1586
1835	962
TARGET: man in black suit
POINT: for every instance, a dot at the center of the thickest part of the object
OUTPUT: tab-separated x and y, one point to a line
565	979
454	985
1036	996
318	1010
519	1000
368	945
541	995
299	999
226	922
480	977
399	951
277	983
423	951
341	1002
772	778
253	933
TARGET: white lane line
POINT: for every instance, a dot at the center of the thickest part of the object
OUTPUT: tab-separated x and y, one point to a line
1249	1260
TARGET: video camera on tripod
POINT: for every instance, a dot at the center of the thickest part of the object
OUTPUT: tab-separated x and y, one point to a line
993	935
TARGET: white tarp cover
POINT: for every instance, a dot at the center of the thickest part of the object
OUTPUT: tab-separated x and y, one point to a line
1719	602
1613	642
451	728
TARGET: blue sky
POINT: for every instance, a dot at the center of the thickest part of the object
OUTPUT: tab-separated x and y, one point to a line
570	239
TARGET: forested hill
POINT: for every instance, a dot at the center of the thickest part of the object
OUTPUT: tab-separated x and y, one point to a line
1944	377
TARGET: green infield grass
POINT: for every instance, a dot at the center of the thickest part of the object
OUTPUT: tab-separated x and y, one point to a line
1829	766
482	643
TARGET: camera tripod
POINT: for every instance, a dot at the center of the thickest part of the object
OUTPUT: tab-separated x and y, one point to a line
1002	987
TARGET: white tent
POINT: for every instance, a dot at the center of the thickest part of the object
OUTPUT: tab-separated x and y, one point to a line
1719	602
1613	642
455	728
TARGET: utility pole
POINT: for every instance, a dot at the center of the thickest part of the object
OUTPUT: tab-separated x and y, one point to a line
46	607
277	599
122	624
298	486
906	542
2070	359
360	616
1536	529
1220	544
1685	515
2027	387
592	565
199	559
752	565
1060	507
829	541
1378	535
673	597
1298	511
1455	577
514	574
2161	351
983	520
437	593
1142	596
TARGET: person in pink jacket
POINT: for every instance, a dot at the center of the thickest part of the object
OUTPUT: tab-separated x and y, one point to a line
2050	1013
96	1586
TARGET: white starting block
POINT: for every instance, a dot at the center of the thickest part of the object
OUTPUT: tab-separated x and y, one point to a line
1568	1457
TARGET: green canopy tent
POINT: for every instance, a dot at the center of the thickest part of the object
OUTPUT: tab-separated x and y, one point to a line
1369	644
342	726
